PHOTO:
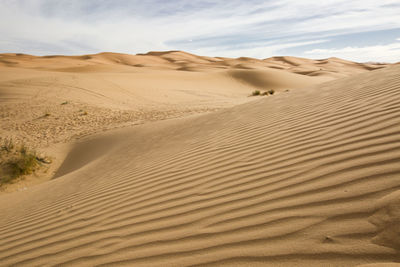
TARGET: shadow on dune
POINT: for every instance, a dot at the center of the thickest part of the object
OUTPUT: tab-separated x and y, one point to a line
85	153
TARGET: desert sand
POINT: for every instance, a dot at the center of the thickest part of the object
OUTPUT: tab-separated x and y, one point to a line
164	159
53	99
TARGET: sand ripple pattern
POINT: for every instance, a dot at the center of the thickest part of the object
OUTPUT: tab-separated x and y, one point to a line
288	180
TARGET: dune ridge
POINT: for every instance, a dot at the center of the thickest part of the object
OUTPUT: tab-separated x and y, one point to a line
179	60
293	179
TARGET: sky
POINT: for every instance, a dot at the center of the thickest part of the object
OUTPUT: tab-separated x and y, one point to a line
358	30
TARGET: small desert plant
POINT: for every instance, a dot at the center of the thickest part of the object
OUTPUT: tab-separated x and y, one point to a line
271	92
264	93
256	92
64	103
25	163
18	161
83	112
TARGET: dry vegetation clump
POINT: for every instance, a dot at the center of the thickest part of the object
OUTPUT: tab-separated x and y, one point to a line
265	93
269	92
17	160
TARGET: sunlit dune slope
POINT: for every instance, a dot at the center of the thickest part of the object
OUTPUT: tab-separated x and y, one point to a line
293	179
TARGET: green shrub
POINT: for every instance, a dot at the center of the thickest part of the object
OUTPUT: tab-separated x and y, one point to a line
16	161
256	92
25	162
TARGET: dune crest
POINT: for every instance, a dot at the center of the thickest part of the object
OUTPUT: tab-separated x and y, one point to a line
179	60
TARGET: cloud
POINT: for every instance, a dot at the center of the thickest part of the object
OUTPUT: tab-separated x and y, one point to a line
237	28
256	51
377	53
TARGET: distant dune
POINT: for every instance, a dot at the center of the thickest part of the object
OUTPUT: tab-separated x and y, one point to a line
178	60
306	177
118	89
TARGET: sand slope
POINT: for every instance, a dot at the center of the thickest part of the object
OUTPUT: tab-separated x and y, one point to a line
54	99
290	180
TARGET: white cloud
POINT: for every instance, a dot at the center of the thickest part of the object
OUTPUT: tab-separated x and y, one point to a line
258	51
235	28
377	53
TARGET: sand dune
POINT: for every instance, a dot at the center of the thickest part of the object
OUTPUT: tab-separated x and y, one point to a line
308	177
273	79
179	60
110	90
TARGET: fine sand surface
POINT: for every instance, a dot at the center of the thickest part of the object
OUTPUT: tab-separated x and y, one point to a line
306	177
54	99
49	102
